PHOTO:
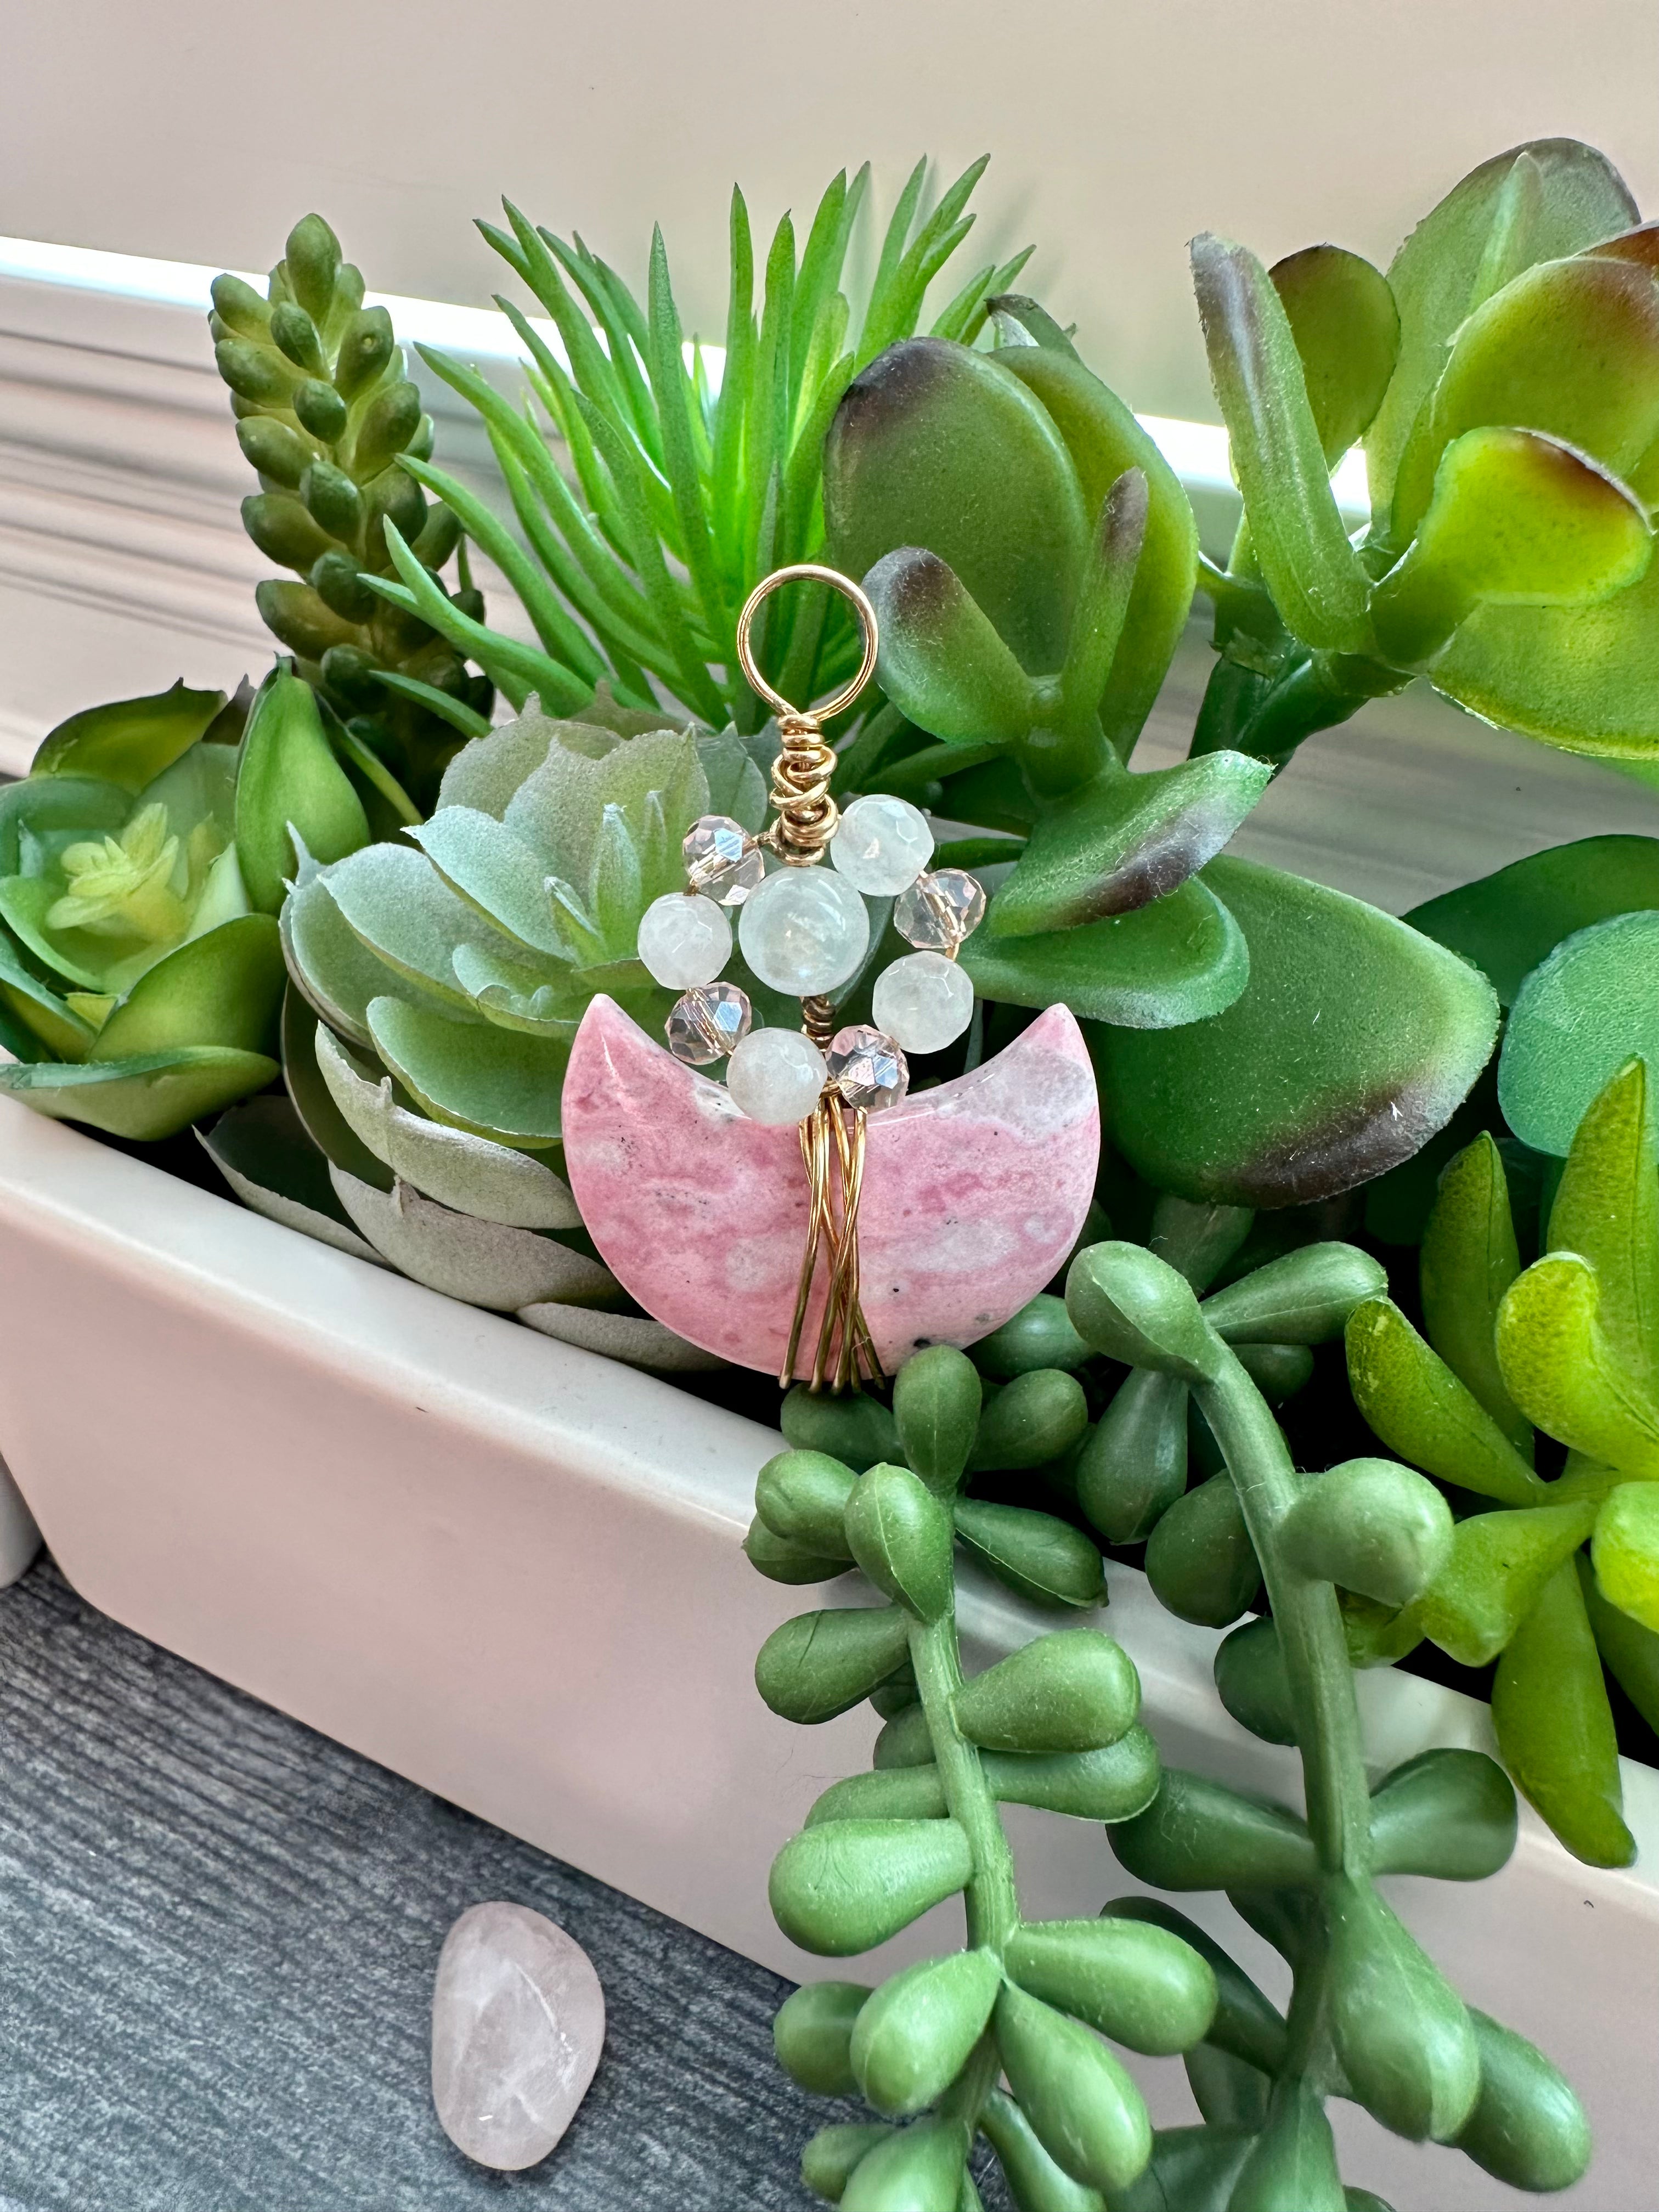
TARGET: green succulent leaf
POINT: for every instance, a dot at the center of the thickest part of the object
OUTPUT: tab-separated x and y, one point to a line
1298	534
224	989
1404	2037
1351	1043
145	1097
262	1150
1180	959
1565	1375
1035	1555
1131	1980
1346	328
130	741
1606	1210
1555	1730
1534	202
846	1885
1124	841
1499	1565
1527	2127
1470	1259
498	1083
1578	1018
1104	440
1508	922
1625	1551
931	444
1083	2106
1421	1409
942	664
289	783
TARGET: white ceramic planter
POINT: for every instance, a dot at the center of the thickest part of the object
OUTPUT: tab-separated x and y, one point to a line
510	1570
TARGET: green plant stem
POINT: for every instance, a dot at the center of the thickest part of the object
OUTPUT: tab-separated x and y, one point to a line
992	1904
1305	1612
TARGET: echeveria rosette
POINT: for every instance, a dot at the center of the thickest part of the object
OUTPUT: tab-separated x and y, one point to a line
1052	1726
1569	1346
1261	1041
439	982
327	416
685	495
140	968
1505	377
1370	2016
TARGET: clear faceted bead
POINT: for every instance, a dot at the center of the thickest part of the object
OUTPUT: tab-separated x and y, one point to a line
882	844
775	1076
924	1001
722	860
708	1023
867	1068
683	940
939	909
804	931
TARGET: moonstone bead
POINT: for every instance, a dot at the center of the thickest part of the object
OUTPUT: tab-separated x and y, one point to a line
776	1075
804	931
924	1001
518	2023
683	940
882	845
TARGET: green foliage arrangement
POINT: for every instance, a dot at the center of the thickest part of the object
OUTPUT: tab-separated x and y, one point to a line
1504	379
327	414
1052	1726
141	864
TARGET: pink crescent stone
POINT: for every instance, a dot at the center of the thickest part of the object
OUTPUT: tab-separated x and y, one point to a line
974	1193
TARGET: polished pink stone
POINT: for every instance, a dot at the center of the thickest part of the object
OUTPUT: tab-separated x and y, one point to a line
973	1191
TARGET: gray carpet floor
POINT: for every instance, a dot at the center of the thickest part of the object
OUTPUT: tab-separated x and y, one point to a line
217	1937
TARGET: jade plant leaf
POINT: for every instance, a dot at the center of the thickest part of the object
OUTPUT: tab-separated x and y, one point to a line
1346	328
130	741
1516	519
942	663
1352	1043
1507	923
1534	202
1297	533
938	446
1579	1016
1176	961
1103	439
1124	841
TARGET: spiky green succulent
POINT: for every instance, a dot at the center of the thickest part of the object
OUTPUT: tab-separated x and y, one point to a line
692	480
140	871
1504	379
326	414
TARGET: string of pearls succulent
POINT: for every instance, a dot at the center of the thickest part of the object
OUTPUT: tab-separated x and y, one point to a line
805	930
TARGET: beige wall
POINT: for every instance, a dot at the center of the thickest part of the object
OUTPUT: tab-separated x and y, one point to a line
198	129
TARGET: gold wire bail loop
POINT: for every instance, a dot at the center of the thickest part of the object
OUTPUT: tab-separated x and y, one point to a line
801	775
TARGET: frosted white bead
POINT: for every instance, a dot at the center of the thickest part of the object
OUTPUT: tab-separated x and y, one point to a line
924	1001
683	940
804	931
882	845
776	1075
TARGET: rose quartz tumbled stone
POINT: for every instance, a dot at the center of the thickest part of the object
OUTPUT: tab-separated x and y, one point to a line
973	1191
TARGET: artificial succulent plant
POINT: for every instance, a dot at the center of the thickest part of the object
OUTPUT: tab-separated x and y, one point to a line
689	486
326	414
141	866
1504	379
1053	1725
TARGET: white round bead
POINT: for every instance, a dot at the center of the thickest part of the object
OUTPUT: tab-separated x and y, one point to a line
924	1001
683	940
776	1075
882	845
804	931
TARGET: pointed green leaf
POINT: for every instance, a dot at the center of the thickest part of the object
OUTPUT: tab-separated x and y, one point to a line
1606	1210
942	448
1299	539
1352	1043
130	741
1499	1564
1421	1409
820	1664
289	781
1346	328
1180	959
1626	1552
1470	1259
1124	841
1508	922
1549	1706
1035	1555
147	1097
1565	1375
921	2169
224	988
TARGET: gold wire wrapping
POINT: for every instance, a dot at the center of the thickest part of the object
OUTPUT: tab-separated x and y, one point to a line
832	1137
832	1148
